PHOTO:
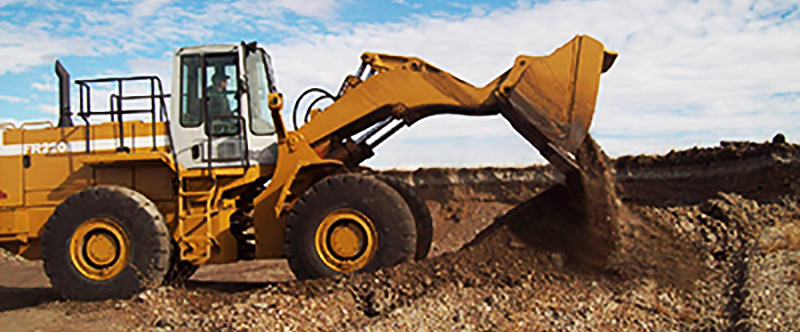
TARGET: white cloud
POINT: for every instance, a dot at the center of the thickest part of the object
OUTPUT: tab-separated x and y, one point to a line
13	99
129	27
148	7
4	3
701	71
47	87
406	3
47	109
688	72
23	47
161	68
310	8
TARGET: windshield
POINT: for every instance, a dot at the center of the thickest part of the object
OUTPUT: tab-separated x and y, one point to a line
259	86
220	80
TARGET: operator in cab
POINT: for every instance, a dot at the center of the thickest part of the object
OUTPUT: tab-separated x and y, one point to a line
218	104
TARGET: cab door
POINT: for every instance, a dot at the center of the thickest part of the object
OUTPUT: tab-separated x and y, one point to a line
209	111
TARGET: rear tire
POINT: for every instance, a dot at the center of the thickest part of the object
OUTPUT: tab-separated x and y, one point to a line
422	215
375	225
105	242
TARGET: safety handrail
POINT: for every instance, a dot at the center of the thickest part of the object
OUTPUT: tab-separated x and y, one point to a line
7	124
116	109
49	124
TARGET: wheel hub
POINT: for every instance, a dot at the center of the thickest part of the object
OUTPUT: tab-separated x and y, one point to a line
99	249
346	240
102	248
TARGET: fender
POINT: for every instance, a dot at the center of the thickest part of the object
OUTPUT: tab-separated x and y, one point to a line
298	168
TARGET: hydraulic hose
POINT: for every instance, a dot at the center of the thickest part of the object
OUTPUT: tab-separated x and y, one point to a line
302	95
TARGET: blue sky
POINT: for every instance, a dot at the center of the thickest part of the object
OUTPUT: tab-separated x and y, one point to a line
689	72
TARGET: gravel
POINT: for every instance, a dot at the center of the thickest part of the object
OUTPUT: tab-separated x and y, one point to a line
724	258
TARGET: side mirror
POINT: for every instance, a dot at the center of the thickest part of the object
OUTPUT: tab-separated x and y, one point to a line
275	101
275	106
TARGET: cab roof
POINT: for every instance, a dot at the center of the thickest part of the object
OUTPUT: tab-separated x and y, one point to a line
212	48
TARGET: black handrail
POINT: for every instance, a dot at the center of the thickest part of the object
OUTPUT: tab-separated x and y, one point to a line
206	116
116	110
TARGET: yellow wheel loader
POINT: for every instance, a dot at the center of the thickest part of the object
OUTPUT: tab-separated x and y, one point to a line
133	197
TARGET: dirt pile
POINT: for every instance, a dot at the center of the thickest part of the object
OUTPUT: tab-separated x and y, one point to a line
577	217
709	262
759	171
592	199
740	275
465	201
488	184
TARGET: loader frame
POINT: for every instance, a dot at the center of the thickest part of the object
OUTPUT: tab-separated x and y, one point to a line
550	100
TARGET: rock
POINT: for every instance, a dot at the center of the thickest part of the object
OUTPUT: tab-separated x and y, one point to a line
558	259
165	321
779	139
427	281
516	244
260	306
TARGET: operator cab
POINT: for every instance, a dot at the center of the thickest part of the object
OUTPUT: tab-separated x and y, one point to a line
219	109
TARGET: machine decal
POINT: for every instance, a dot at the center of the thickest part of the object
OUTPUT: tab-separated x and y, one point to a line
50	148
46	148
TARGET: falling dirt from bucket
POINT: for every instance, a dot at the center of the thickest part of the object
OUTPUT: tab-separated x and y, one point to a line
578	217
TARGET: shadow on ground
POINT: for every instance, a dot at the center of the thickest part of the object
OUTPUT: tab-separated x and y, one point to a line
226	286
17	298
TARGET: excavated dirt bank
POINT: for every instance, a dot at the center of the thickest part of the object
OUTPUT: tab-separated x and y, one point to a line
707	240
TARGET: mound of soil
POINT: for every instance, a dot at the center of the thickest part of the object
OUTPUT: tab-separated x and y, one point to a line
759	171
675	260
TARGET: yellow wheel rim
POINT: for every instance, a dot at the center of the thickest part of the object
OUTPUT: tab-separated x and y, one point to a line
99	249
346	240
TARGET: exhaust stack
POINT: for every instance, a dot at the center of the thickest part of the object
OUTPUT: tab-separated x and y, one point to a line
65	114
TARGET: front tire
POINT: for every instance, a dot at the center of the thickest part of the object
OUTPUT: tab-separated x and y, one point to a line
348	223
105	242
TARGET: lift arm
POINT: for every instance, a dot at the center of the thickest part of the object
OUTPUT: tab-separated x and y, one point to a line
549	100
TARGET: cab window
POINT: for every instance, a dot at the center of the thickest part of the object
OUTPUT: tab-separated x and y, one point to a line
190	91
220	82
259	89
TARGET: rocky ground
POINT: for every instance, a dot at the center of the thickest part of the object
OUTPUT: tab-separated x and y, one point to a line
705	240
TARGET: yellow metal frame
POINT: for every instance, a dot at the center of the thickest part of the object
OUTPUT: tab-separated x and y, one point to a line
556	93
203	234
298	167
52	164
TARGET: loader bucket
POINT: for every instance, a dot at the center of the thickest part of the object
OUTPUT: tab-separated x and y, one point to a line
551	99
